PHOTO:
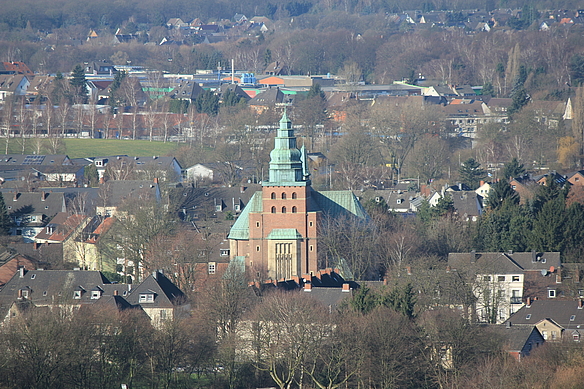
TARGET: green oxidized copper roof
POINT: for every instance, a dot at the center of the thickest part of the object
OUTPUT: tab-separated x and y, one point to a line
284	233
240	229
339	203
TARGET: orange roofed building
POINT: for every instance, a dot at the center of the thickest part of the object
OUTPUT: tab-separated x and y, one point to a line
277	233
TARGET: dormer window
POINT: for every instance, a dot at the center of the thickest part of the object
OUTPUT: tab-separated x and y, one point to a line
77	294
95	294
146	298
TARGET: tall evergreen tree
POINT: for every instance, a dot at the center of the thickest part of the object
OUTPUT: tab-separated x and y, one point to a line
500	192
471	173
78	82
5	221
513	169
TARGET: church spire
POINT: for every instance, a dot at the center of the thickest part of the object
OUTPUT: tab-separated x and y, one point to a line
287	164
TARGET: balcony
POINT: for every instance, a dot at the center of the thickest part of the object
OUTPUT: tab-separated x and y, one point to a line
516	300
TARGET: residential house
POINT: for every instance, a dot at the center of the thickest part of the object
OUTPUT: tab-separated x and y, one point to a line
157	296
499	279
13	85
160	299
576	178
483	191
186	90
270	98
276	68
155	167
15	67
555	319
31	211
11	261
64	230
116	193
86	253
519	341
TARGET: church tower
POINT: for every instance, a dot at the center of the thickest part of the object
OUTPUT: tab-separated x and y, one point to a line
277	232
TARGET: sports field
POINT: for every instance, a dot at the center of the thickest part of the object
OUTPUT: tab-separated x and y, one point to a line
78	148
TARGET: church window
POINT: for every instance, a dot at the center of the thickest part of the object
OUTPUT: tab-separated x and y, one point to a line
257	224
293	195
257	248
283	196
311	247
293	209
283	209
273	196
310	224
273	209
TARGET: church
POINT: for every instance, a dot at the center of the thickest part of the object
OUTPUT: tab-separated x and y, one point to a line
277	233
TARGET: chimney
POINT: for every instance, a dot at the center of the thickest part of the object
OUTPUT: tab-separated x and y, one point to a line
482	183
115	292
155	274
558	276
20	294
409	270
156	180
473	256
508	324
241	189
15	196
21	272
579	303
101	180
346	287
384	280
528	303
448	269
308	287
43	195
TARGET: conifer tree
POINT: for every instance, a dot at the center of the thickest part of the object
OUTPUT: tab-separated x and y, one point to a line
5	220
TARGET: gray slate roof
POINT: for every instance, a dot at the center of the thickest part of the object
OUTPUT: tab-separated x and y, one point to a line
560	311
504	263
166	294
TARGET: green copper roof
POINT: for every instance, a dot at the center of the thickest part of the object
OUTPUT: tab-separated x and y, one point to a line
287	164
240	229
284	233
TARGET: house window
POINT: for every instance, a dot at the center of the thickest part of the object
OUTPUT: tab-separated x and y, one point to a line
283	196
486	278
528	316
554	335
33	276
25	293
211	268
294	195
224	252
283	209
273	196
501	278
544	334
237	208
294	209
576	336
163	314
515	278
95	294
44	293
273	209
146	298
258	224
77	294
573	317
552	293
257	248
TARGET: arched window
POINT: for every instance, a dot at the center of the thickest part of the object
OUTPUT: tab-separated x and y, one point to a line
293	209
273	209
273	196
293	195
283	209
283	196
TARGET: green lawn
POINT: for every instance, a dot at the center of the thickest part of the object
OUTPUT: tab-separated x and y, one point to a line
78	148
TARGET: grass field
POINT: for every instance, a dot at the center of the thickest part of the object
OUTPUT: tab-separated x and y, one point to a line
78	148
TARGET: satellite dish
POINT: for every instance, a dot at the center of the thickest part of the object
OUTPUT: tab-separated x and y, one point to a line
544	272
552	269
